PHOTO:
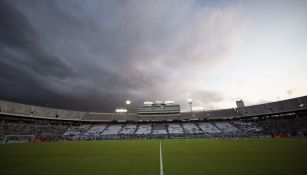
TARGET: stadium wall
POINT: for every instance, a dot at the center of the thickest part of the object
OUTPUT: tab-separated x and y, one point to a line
29	111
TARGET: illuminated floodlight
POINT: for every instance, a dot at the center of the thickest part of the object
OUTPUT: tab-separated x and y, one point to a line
189	100
121	110
148	103
128	102
302	105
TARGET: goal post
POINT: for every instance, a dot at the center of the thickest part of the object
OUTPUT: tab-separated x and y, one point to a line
18	138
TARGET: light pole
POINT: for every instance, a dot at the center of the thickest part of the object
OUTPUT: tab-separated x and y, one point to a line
128	102
190	103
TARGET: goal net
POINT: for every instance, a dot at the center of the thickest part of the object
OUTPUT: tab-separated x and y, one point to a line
18	138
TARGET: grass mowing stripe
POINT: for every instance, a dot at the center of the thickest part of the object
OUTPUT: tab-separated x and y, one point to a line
135	157
231	156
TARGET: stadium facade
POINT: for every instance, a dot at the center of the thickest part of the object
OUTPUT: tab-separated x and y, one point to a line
159	108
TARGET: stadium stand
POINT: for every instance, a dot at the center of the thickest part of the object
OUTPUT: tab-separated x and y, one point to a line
246	126
76	130
287	118
226	127
159	129
175	129
209	128
191	128
273	126
112	130
144	129
128	129
95	130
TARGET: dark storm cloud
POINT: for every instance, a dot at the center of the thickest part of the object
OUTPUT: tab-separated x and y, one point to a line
25	65
93	55
18	36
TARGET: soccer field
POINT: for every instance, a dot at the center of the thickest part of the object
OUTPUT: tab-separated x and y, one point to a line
141	157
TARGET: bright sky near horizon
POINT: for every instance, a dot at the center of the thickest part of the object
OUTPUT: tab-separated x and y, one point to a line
269	60
95	55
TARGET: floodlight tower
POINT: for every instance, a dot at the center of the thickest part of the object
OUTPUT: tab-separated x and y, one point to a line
128	102
190	103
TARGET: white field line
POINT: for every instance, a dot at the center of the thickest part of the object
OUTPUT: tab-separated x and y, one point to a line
161	161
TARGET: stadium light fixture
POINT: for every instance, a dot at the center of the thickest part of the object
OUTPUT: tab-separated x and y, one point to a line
121	110
148	103
302	105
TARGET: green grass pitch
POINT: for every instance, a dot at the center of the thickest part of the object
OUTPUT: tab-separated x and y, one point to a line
141	157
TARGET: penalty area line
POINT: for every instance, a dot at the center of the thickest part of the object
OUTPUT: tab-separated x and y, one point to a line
161	160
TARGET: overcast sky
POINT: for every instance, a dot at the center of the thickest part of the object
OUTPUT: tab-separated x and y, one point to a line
93	55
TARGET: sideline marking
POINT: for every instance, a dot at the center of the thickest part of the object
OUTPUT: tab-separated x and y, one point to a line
161	162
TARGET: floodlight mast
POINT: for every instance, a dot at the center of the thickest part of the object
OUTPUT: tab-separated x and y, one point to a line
190	103
128	102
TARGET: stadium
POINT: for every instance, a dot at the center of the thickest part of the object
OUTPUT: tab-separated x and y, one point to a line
286	118
134	140
153	87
